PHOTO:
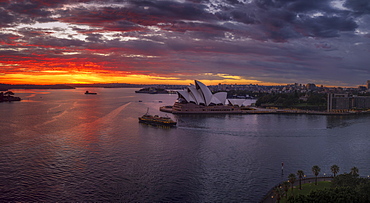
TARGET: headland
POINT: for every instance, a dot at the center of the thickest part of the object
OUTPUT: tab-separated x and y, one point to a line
8	97
198	99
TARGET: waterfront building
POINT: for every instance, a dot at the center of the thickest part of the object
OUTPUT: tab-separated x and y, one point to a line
346	102
200	94
361	102
198	98
368	84
338	102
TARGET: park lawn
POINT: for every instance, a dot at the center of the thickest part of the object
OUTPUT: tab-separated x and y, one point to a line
307	188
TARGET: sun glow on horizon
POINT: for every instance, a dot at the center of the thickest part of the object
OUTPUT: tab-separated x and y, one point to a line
53	77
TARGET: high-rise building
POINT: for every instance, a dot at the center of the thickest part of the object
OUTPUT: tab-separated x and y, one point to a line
368	84
347	102
338	102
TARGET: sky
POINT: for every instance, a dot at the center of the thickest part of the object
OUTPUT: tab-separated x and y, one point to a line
266	42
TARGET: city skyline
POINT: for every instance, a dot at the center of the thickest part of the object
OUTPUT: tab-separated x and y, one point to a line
261	42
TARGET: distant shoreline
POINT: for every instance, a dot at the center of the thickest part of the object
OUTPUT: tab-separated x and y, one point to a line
5	87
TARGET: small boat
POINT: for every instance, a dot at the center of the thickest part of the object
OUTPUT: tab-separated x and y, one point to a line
157	120
87	92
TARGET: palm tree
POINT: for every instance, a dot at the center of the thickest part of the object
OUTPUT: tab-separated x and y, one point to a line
286	185
316	170
278	192
300	175
354	171
335	169
292	179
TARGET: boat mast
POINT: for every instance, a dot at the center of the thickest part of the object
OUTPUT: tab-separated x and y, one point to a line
147	111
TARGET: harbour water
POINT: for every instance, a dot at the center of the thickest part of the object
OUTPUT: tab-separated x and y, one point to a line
63	145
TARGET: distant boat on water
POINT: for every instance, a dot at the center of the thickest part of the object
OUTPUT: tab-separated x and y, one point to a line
87	92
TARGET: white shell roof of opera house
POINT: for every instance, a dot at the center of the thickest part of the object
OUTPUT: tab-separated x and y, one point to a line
200	94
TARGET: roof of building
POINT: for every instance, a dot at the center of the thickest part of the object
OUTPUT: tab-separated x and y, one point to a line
200	94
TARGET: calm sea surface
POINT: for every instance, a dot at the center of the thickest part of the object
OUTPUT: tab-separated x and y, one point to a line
63	145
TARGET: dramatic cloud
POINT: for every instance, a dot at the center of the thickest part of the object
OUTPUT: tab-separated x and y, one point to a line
239	41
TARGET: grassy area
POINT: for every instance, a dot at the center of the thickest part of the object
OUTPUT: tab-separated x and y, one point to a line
307	188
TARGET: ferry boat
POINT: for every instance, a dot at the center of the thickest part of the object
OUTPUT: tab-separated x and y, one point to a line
157	120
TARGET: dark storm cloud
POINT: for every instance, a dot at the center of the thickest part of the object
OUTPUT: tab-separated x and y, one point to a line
270	40
29	8
295	5
94	37
27	12
285	19
172	9
6	18
279	20
167	14
8	39
358	6
53	42
325	26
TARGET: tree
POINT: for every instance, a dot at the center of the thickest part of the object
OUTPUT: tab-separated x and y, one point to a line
292	179
354	171
335	169
345	180
300	175
8	93
286	185
342	194
278	192
316	170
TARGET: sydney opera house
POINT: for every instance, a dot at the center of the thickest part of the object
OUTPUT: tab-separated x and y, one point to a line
198	98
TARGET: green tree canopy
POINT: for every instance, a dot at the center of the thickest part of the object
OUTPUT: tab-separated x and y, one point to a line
300	175
316	170
334	169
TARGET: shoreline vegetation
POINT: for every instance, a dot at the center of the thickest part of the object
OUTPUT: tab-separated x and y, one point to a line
154	90
302	101
5	87
347	187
